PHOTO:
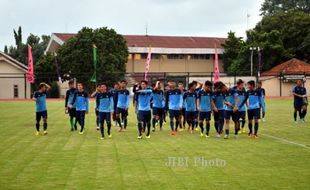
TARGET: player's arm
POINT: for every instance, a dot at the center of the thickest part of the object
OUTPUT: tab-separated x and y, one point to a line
94	93
112	104
198	103
34	97
244	101
236	103
157	85
86	102
47	86
97	102
67	99
214	108
127	101
137	102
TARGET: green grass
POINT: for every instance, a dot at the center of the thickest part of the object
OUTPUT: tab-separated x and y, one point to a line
66	160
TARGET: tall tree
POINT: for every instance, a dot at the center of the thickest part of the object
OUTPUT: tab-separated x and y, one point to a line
270	7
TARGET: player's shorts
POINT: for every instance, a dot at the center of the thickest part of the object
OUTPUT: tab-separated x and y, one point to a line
254	114
191	116
205	116
104	116
298	104
229	114
158	112
144	116
40	114
122	111
72	112
183	112
97	112
174	113
219	115
240	115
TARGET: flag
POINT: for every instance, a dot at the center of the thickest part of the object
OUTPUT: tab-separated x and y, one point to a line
94	77
57	68
147	64
260	61
30	75
216	66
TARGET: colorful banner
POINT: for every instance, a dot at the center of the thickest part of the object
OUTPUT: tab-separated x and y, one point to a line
30	74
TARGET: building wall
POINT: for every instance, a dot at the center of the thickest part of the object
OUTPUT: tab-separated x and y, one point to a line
164	64
7	84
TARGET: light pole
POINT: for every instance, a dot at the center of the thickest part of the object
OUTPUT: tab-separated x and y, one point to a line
252	54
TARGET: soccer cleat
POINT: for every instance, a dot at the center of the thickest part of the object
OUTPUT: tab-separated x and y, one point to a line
148	137
181	129
302	120
153	130
196	129
45	133
243	131
81	132
254	136
201	134
207	136
296	122
264	120
97	128
226	137
120	130
102	138
236	136
140	137
124	130
37	133
110	135
218	135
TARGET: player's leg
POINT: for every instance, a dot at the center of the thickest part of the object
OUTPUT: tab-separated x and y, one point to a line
216	122
242	116
256	122
172	116
140	123
177	119
250	119
147	120
118	118
38	119
97	119
303	113
201	119
82	121
236	120
161	118
155	118
44	116
124	118
221	121
208	118
101	123
227	115
108	121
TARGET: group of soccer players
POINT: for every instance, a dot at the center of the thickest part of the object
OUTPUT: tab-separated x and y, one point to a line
152	104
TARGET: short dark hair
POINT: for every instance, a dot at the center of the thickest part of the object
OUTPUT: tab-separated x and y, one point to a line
41	85
104	84
123	81
251	82
71	82
144	81
208	83
194	82
218	85
240	81
190	85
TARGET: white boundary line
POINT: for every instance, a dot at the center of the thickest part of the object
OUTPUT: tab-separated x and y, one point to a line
286	141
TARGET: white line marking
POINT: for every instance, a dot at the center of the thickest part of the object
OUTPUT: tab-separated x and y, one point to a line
286	141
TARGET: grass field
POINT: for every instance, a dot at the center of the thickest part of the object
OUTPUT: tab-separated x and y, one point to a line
279	159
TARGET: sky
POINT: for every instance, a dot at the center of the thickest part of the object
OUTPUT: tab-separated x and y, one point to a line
209	18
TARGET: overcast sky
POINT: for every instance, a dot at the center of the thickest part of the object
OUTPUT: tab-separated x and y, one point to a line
213	18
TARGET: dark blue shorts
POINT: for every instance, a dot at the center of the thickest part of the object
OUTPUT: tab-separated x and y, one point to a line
230	114
191	116
298	105
121	111
104	116
254	114
40	114
183	112
158	112
97	112
72	112
174	114
240	115
144	116
218	115
205	116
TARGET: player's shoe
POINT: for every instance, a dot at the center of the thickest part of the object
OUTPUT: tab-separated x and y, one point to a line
140	137
153	130
45	133
201	134
296	122
226	137
243	131
181	129
102	138
148	137
196	129
302	120
207	136
161	129
120	129
124	130
264	120
110	135
81	132
37	133
254	136
97	128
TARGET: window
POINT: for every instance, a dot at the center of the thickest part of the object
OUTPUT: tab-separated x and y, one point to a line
200	56
15	91
175	56
153	56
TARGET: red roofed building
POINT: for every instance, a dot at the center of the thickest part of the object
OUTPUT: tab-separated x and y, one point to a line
292	66
169	53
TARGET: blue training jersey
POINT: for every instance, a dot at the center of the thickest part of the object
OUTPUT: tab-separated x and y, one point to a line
69	97
254	98
123	99
218	99
230	96
40	101
105	102
80	100
300	91
205	101
144	99
190	99
158	99
174	99
241	98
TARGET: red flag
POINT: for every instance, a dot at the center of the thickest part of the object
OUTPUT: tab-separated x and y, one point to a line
216	66
30	76
147	64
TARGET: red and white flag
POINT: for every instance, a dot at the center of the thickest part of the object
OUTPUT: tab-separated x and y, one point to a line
147	64
216	66
30	75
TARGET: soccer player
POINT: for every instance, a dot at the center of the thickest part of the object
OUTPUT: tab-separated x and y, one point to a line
105	105
123	101
174	102
263	106
218	109
190	99
182	116
70	109
300	101
93	95
158	106
254	99
80	100
230	107
240	115
143	108
204	105
113	91
41	111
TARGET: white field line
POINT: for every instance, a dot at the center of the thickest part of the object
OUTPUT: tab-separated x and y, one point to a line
286	141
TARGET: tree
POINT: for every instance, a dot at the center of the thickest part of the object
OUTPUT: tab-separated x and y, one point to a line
75	56
270	7
6	51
